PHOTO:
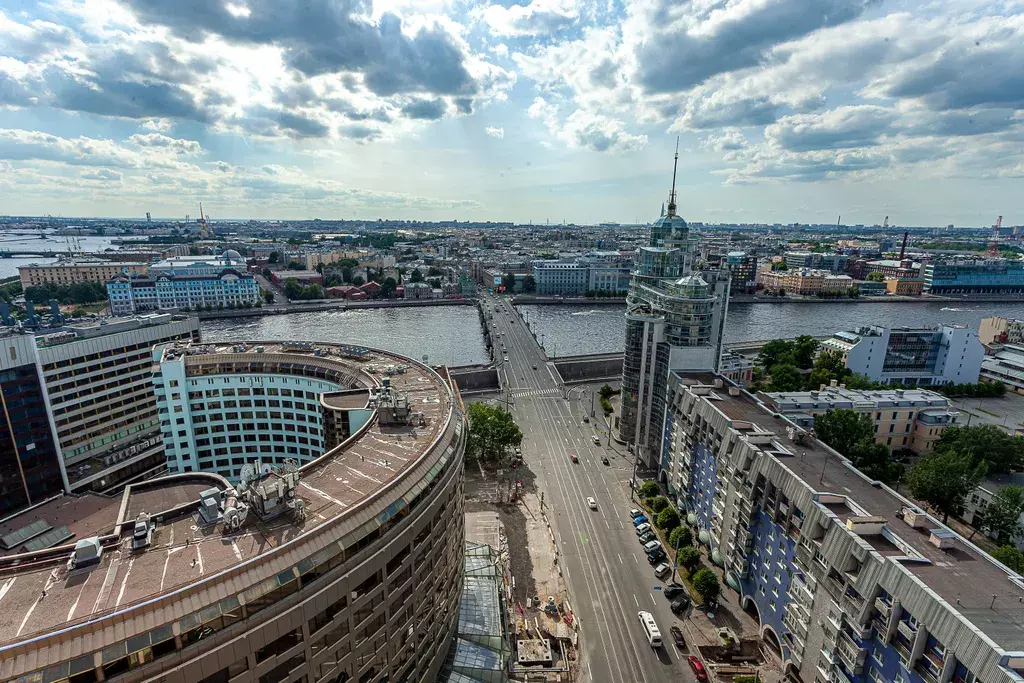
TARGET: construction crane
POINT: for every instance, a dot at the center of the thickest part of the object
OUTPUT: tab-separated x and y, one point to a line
885	223
999	223
993	246
205	232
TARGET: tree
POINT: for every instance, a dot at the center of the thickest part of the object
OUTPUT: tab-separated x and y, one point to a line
689	558
1011	557
1002	516
944	479
680	537
775	352
842	429
985	443
492	432
659	503
358	281
274	257
606	391
706	584
508	280
803	351
668	518
416	276
876	276
387	288
786	377
875	460
649	488
529	284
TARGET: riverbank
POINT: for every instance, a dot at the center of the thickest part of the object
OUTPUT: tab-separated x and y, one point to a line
572	301
318	306
756	299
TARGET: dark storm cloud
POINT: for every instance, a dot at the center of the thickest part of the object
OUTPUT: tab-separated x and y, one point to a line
424	109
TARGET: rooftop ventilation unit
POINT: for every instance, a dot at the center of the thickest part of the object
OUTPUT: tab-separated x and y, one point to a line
87	552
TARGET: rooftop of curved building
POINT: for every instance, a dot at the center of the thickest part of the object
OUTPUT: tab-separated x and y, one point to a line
37	593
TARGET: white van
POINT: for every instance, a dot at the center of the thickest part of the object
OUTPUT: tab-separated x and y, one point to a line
651	629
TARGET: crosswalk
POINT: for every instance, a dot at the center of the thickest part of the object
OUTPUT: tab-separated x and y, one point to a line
535	392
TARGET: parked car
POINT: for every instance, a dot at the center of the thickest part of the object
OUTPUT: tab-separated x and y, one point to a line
698	668
574	458
662	570
604	461
648	537
642	519
655	557
643	529
586	418
651	546
680	604
634	513
597	440
677	636
674	591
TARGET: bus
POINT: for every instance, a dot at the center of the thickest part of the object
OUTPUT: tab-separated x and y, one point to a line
651	629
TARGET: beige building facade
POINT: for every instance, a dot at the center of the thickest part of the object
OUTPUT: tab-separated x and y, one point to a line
77	272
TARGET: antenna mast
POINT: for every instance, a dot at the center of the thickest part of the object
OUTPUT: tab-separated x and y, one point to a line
672	196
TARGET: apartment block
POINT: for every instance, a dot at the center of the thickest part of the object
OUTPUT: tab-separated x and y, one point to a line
996	330
911	419
78	272
946	354
805	282
975	276
227	289
850	581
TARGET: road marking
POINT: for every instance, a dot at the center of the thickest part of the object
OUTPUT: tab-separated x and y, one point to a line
620	558
636	601
634	559
653	600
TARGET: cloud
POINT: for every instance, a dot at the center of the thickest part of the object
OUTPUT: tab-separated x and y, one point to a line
424	109
190	147
730	140
540	17
270	122
585	130
495	132
841	128
684	44
23	145
103	174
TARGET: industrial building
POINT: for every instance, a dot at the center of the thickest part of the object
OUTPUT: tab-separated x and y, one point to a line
849	581
1006	365
346	568
96	395
947	354
674	321
912	419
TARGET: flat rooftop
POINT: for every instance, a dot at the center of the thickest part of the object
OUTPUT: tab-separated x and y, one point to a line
184	551
966	578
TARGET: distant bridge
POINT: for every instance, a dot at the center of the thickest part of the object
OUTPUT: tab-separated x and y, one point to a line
45	254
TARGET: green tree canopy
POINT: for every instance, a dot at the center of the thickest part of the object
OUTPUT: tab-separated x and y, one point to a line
842	429
877	276
387	288
508	280
688	557
416	276
985	443
706	584
668	518
649	489
529	284
804	349
775	352
659	503
273	257
786	377
680	537
492	432
944	479
1002	516
1011	557
875	460
606	391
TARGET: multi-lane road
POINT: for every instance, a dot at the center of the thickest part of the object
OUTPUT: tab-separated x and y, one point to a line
607	573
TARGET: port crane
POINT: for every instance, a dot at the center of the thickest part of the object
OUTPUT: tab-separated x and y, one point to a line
993	246
205	231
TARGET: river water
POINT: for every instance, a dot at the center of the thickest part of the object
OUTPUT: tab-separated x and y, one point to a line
452	334
31	241
448	335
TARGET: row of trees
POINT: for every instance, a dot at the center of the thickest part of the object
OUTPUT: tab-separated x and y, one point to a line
606	393
666	517
979	390
79	293
781	362
295	291
850	293
529	282
853	434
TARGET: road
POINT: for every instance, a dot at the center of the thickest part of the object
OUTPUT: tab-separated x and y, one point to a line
607	573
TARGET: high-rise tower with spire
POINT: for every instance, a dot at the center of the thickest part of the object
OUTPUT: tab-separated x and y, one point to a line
674	322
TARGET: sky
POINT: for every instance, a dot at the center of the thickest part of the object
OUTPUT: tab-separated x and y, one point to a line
544	111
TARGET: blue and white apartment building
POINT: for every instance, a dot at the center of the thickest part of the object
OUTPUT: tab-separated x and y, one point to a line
849	581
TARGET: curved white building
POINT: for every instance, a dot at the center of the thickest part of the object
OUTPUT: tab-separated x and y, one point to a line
363	585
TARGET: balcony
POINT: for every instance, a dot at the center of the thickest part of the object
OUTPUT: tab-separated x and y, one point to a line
740	565
884	608
880	625
850	654
925	670
744	539
837	675
901	648
794	623
907	631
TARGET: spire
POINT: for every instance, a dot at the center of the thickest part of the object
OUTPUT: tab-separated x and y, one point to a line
672	197
663	209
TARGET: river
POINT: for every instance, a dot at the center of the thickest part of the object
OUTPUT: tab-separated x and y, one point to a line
444	334
30	241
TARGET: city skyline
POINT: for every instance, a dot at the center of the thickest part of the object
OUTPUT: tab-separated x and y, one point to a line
546	111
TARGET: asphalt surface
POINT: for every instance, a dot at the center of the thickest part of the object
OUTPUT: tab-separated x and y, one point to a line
604	565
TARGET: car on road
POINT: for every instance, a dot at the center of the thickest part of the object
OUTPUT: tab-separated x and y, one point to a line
604	460
586	418
651	546
643	529
698	668
648	537
642	519
680	604
597	440
677	637
591	503
574	458
674	591
662	570
656	557
534	367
